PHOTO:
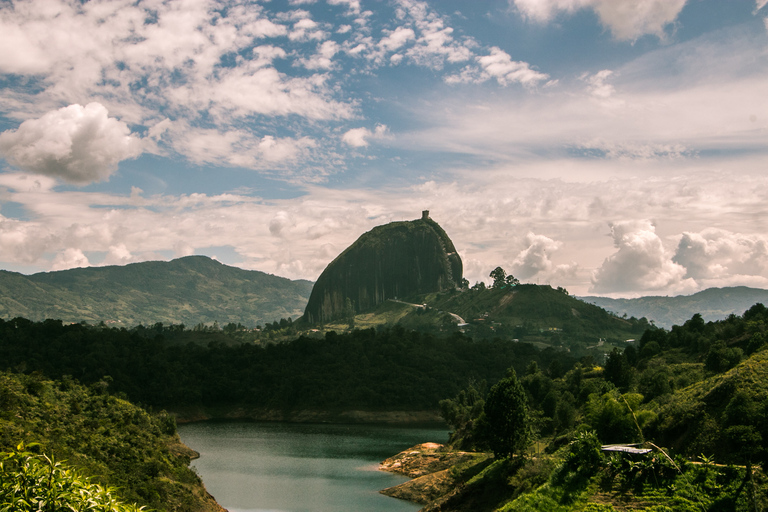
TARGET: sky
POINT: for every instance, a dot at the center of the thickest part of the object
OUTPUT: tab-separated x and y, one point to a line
612	147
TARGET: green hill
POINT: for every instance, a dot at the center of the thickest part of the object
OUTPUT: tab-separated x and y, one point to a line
189	290
532	313
107	439
712	304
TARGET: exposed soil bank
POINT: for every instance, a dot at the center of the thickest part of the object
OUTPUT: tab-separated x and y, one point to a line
429	465
192	414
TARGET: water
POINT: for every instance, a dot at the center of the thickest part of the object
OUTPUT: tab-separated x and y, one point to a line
282	467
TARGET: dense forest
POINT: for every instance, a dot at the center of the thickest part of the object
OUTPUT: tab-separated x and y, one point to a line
390	368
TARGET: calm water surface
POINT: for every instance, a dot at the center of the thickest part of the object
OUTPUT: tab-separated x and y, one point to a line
281	467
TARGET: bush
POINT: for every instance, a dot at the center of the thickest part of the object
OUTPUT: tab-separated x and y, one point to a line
30	482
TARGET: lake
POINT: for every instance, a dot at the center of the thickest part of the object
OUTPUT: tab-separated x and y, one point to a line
287	467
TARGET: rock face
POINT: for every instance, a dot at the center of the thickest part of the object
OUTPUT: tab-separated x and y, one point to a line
394	260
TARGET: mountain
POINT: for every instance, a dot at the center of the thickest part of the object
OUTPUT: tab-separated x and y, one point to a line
390	261
713	304
189	290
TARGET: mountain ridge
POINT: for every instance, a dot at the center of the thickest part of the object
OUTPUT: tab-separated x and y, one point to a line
188	290
712	303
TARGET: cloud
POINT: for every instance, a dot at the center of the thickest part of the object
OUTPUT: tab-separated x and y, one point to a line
306	29
640	264
534	259
397	38
597	85
70	258
653	111
76	144
500	66
352	5
626	19
358	137
239	148
323	59
716	254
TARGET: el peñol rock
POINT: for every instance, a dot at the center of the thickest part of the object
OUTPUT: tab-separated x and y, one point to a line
394	260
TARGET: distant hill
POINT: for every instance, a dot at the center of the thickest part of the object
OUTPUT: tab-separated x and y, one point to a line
713	304
390	261
190	290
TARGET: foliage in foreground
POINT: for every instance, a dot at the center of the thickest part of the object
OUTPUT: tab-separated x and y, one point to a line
31	482
112	441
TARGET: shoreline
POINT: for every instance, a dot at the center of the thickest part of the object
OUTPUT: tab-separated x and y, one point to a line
406	418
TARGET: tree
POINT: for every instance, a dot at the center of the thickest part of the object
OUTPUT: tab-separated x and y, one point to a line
506	424
617	370
498	275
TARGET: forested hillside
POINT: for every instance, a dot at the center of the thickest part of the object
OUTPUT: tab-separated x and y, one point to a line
535	313
103	437
189	290
389	369
693	396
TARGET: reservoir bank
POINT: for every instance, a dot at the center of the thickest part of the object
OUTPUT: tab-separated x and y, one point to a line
300	467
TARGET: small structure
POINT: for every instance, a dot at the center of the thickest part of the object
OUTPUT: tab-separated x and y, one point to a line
425	215
625	448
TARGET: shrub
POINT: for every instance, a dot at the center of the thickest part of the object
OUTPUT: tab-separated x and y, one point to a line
30	482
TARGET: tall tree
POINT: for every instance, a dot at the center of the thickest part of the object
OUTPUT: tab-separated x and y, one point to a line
498	275
507	422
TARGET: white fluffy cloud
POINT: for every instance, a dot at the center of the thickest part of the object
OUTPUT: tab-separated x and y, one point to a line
359	137
77	144
535	258
716	254
626	19
641	262
70	258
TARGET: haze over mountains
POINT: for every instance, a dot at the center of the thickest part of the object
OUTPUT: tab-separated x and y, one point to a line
713	304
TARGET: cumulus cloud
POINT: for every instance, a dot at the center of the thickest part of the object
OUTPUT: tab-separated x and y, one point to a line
535	258
395	39
76	144
716	254
641	262
323	59
359	137
70	258
626	19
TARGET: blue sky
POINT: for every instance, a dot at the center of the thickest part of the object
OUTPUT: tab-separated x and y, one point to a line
614	147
